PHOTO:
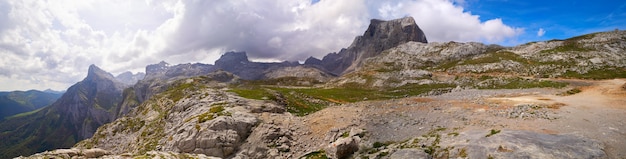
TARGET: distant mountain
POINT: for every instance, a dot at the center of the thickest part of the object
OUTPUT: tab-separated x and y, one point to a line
53	91
16	102
379	36
238	64
85	106
129	78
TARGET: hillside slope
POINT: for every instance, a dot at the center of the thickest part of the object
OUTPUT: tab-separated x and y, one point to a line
16	102
75	116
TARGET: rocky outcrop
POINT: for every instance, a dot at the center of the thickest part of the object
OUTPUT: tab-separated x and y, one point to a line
221	138
99	153
159	75
71	153
192	116
379	36
344	147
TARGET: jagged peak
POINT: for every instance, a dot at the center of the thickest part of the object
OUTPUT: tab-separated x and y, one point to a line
381	28
157	67
312	61
233	56
95	72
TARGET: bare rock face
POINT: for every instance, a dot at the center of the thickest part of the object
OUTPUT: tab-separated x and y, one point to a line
221	138
158	75
188	118
380	35
343	147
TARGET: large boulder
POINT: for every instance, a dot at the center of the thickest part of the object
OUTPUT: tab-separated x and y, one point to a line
221	138
343	147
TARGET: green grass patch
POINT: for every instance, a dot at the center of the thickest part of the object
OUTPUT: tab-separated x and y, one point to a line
494	58
489	57
597	74
206	116
303	101
492	132
178	91
24	114
521	83
287	81
571	44
258	93
567	47
345	134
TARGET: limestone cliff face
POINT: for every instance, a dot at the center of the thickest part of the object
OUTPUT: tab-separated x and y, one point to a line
85	106
379	36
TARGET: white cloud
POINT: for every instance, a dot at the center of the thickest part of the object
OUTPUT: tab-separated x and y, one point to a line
50	44
541	32
442	21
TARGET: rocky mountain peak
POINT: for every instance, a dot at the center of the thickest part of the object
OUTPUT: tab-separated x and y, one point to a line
379	36
153	68
94	73
313	61
232	58
387	34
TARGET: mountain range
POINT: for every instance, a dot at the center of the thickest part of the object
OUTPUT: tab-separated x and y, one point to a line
16	102
232	109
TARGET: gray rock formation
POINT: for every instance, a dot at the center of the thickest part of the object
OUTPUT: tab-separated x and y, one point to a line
129	78
380	35
187	118
238	64
343	147
75	116
158	75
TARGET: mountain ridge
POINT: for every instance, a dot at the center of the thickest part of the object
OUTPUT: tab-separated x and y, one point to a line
15	102
74	116
186	109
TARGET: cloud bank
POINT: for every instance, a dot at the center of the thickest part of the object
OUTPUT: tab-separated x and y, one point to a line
50	44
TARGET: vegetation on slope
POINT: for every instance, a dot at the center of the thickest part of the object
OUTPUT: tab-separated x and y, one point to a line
303	101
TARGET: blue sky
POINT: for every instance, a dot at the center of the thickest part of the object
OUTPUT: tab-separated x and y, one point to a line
559	19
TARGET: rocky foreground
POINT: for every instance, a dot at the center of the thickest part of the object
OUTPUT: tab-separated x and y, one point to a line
520	123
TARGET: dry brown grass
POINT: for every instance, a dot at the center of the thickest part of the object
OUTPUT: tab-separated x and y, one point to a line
423	100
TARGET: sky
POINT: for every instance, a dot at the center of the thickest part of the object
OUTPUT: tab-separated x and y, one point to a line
51	43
